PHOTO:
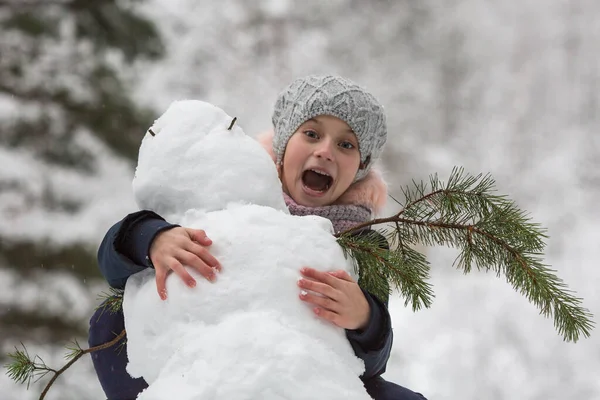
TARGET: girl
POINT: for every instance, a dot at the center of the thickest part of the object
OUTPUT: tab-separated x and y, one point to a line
328	132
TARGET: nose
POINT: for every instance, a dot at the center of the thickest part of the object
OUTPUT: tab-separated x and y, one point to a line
324	150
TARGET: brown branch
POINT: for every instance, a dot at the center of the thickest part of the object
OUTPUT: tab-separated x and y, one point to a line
79	354
426	197
431	224
232	123
396	217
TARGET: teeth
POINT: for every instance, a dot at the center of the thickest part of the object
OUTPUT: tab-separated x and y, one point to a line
321	172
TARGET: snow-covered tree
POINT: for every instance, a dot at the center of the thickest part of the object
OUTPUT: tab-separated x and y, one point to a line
65	105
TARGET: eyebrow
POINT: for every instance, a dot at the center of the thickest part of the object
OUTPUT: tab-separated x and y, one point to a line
315	120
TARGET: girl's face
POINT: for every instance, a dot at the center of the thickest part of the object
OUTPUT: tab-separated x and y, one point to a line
320	161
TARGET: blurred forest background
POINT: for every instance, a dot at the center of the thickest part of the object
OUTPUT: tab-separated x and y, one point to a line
501	87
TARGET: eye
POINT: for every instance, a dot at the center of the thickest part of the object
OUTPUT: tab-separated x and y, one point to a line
311	134
347	145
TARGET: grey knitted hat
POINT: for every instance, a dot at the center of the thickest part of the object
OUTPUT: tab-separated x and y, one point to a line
311	96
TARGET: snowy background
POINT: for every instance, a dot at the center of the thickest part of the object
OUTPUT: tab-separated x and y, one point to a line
493	86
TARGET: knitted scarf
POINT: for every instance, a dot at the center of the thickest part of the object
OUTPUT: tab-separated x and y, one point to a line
342	216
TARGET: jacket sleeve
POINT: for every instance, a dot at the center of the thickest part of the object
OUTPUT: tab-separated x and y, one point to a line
124	249
374	344
111	363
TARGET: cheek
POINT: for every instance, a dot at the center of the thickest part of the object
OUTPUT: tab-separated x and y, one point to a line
283	176
287	171
291	164
350	168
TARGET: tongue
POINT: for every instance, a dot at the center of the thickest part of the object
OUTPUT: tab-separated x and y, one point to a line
316	181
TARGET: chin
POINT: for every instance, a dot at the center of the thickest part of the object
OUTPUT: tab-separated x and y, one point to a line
319	203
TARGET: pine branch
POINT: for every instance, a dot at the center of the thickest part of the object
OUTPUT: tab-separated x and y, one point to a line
23	368
377	267
111	301
489	230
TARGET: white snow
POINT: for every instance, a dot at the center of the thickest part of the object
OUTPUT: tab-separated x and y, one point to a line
191	159
247	335
520	86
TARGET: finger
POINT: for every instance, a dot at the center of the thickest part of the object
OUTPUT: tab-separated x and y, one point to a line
185	276
329	316
161	284
319	287
198	235
321	276
195	262
341	274
323	302
204	255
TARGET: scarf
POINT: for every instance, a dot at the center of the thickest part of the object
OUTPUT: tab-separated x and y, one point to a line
342	216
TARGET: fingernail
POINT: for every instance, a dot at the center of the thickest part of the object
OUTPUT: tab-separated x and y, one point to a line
300	281
317	310
303	293
163	295
212	277
192	284
304	270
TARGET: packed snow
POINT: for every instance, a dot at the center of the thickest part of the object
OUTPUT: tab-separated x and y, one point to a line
247	335
190	159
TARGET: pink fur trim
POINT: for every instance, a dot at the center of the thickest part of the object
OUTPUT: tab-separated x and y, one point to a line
266	140
371	191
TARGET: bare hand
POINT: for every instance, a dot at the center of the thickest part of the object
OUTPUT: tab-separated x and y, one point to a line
176	247
344	303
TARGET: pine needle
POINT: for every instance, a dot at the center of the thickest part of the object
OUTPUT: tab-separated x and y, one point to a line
111	301
24	369
491	234
380	270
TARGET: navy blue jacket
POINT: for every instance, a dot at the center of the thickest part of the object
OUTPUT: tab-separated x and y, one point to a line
124	252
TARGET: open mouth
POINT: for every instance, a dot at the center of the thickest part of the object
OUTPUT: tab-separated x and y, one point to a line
317	181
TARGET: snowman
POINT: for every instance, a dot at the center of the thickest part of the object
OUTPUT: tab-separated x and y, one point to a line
247	335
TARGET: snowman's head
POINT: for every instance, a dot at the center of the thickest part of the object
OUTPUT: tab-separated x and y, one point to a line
195	157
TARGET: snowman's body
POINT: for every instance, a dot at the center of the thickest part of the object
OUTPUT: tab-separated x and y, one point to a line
246	336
